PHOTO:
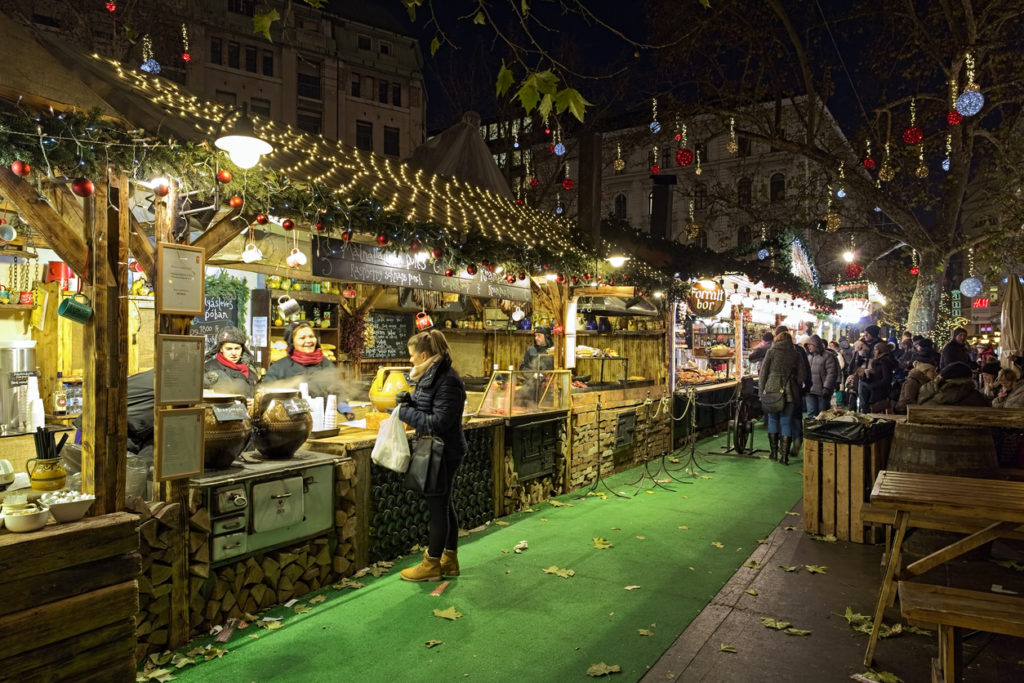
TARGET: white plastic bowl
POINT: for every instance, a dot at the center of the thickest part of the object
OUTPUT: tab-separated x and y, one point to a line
28	520
67	511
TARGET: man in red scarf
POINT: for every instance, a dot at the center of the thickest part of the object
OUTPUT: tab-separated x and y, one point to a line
229	365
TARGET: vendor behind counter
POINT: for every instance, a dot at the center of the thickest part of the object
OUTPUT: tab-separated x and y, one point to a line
536	356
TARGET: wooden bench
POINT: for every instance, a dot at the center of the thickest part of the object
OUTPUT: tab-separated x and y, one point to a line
952	609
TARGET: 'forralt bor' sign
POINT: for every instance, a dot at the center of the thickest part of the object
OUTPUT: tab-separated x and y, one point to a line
707	298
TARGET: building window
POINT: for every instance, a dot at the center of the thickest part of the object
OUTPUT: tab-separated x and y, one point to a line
216	51
384	48
620	207
233	51
250	59
777	188
383	89
664	157
260	106
391	148
744	144
701	240
364	42
700	196
743	191
744	236
396	94
225	97
268	63
246	7
357	81
364	135
308	80
308	120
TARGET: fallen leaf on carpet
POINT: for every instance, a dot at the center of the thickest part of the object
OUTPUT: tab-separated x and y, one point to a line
789	528
615	528
685	496
692	569
769	622
632	588
543	519
433	643
797	632
161	658
598	494
641	538
790	568
451	613
560	504
673	460
344	583
317	600
913	629
831	538
505	550
816	568
254	636
727	648
717	544
557	571
160	675
794	514
520	547
501	522
704	476
762	541
649	492
272	625
602	669
180	661
301	608
602	543
683	527
645	632
750	591
879	676
664	481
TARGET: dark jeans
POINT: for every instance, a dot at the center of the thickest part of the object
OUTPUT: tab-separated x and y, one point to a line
786	421
442	522
814	404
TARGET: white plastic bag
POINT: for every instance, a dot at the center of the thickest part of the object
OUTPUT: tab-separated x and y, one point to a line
391	449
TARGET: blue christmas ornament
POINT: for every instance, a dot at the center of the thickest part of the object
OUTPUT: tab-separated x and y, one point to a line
559	149
970	102
840	193
878	209
945	164
151	66
655	127
515	145
763	254
971	287
559	209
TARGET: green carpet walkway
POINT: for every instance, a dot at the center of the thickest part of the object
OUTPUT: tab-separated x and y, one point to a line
670	553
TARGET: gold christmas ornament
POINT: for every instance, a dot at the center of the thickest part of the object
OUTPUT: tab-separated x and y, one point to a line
886	173
832	221
922	171
692	230
732	147
618	164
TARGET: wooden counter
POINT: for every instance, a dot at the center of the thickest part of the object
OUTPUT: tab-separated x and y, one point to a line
352	438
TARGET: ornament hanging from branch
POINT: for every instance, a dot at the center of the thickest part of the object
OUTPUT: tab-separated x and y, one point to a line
946	163
698	170
922	168
515	134
732	146
149	65
559	146
832	219
954	117
684	155
886	173
111	7
915	267
869	161
186	56
913	135
692	229
970	286
853	270
655	126
618	164
841	192
567	180
970	100
655	168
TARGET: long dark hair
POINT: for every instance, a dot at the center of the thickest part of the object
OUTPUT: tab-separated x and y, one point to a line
431	341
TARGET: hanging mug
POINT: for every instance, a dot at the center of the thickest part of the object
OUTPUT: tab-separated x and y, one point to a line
7	234
27	298
518	314
5	295
251	254
73	309
288	306
423	321
297	257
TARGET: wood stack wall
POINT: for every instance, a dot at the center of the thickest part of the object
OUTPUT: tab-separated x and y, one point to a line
159	538
69	596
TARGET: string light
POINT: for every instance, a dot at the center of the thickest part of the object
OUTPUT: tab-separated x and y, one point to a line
149	65
732	146
841	192
186	56
618	164
970	100
655	126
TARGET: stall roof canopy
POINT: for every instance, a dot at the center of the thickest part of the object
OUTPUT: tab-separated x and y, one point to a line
460	151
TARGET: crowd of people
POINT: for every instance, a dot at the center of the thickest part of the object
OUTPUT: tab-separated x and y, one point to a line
803	376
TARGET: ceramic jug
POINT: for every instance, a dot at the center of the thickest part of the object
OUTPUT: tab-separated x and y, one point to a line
46	474
226	429
281	422
387	383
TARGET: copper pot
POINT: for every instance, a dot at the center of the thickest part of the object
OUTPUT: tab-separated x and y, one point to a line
226	426
281	422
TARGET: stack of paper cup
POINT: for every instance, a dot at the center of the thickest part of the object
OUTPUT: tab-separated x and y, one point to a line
304	390
38	415
331	412
33	388
316	410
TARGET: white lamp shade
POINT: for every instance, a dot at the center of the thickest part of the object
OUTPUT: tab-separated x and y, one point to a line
245	151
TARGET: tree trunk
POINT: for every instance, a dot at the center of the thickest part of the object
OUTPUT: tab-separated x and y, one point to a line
925	302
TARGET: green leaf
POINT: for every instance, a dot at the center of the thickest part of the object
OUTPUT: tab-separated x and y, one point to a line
543	109
718	544
645	632
919	631
505	79
816	568
602	669
528	97
881	677
434	45
726	648
480	19
706	4
524	7
451	613
790	568
797	632
602	543
410	7
557	571
315	4
261	23
432	643
830	538
750	591
769	622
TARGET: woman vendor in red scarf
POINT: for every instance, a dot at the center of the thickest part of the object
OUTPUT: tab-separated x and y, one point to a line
305	362
230	368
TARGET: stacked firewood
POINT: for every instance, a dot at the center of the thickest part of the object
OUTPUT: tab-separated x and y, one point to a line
519	496
159	541
345	478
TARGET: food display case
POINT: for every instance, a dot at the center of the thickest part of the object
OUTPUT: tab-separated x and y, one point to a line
701	355
516	393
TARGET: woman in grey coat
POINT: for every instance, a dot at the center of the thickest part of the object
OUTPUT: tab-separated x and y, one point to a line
783	371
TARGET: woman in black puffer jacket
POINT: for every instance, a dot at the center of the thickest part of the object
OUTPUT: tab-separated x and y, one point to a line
435	407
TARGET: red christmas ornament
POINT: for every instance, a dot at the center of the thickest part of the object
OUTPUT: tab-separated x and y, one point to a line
522	276
186	57
552	149
574	279
111	6
83	187
485	263
567	183
346	236
471	269
349	292
288	224
914	270
560	277
519	202
655	169
869	163
684	156
20	168
558	329
262	219
236	202
586	277
161	190
224	176
534	182
414	246
382	240
853	270
490	267
954	117
319	226
678	137
448	272
437	252
547	130
913	135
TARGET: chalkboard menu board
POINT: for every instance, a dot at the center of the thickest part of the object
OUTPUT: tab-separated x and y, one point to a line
221	310
387	335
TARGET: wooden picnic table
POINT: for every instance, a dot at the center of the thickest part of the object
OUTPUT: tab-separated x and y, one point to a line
997	504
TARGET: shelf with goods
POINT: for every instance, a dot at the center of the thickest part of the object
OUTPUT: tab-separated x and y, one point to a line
318	308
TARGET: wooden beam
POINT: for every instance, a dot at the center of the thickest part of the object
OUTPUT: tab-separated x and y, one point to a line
47	222
370	301
219	235
965	416
142	249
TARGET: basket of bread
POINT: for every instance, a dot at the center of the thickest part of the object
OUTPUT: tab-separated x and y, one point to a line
719	351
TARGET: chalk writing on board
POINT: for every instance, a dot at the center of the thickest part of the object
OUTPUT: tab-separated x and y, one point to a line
386	335
221	310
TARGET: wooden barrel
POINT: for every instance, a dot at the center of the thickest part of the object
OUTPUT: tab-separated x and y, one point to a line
953	451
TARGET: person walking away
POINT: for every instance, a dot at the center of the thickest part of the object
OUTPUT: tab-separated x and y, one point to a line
435	407
920	374
877	384
955	350
782	371
824	376
953	387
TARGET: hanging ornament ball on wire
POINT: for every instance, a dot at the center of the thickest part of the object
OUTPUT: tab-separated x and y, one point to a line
150	66
832	221
111	6
945	164
186	57
655	169
684	156
347	235
886	173
437	252
655	127
954	118
869	163
763	253
382	240
921	171
471	269
288	224
914	270
567	183
559	149
83	187
853	270
224	176
235	202
970	101
534	182
971	287
618	164
20	168
692	230
262	219
414	246
560	277
320	226
732	147
521	276
161	190
448	272
913	135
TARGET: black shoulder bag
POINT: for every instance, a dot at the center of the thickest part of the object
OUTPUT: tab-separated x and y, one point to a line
426	469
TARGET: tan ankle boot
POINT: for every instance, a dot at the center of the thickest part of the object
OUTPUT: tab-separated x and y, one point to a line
427	570
450	563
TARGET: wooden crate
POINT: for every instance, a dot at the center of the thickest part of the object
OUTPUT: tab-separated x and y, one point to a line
837	484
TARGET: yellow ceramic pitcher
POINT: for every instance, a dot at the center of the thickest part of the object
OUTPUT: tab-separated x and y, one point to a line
388	382
47	474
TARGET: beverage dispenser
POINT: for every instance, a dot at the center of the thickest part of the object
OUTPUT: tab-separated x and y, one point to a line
17	364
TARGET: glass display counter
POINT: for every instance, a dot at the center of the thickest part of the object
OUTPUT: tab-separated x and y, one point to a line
515	393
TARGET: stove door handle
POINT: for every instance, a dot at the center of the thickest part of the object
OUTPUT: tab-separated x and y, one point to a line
278	496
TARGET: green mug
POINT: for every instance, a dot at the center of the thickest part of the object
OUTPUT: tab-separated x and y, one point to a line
73	309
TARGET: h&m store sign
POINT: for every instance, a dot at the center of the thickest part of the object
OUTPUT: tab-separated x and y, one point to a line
707	298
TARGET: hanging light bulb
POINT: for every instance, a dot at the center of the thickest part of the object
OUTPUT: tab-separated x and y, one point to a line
241	143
